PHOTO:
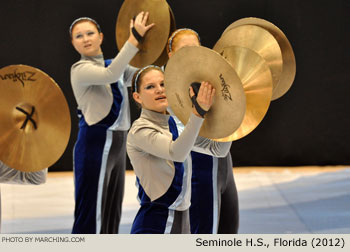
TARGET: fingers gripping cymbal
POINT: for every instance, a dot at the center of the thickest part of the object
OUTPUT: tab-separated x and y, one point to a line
155	39
196	64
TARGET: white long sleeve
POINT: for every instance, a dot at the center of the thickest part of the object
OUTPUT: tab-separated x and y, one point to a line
12	176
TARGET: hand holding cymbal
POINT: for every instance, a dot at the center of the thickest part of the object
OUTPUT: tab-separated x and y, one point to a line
139	24
204	98
196	64
156	38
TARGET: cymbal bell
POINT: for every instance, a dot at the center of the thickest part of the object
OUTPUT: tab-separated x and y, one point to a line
35	119
196	64
256	79
288	58
163	58
155	39
260	41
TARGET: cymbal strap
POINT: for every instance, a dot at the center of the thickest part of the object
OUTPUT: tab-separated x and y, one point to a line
137	35
195	86
153	44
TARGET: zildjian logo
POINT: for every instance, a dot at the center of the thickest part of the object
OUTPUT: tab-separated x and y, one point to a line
21	76
179	100
225	89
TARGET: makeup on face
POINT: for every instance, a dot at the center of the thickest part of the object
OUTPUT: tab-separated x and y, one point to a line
152	92
86	39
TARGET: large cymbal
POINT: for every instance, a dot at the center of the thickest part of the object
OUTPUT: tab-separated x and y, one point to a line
35	141
196	64
163	58
260	41
155	39
257	84
289	65
172	21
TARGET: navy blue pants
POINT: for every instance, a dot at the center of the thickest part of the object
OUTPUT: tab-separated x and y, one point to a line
99	175
214	200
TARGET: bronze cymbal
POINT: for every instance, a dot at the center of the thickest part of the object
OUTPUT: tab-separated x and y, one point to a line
256	79
196	64
172	21
162	60
155	39
35	119
289	65
260	41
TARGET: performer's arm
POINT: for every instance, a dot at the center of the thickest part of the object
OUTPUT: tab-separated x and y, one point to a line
128	74
210	147
91	74
86	73
157	144
205	145
12	176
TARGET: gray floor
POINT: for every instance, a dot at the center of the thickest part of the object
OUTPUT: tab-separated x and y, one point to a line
272	200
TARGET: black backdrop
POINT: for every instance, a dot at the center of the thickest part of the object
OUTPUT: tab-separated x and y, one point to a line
309	125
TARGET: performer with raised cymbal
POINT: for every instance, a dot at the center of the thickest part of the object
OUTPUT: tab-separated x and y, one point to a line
214	199
159	155
99	153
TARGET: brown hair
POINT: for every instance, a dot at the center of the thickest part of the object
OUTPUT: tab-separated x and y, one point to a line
83	19
175	37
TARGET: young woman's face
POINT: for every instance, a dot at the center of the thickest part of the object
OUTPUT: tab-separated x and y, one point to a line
151	93
86	39
185	40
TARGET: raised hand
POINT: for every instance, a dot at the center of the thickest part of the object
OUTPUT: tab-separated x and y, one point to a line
139	23
205	96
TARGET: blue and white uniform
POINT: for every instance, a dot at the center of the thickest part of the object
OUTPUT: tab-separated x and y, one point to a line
100	151
162	165
156	212
214	200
